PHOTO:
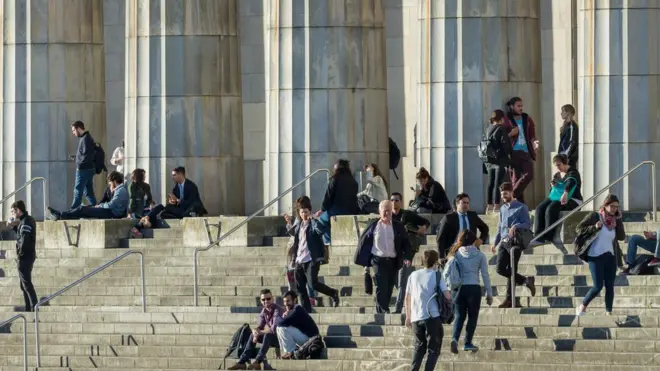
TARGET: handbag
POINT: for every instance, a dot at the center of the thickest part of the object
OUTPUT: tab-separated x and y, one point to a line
444	305
558	190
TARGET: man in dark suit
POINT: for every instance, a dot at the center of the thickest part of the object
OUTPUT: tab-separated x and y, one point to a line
455	222
184	200
384	245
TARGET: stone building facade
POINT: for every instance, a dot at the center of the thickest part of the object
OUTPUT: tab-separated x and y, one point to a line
252	95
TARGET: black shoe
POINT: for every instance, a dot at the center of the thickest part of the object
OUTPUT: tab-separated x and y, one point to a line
335	299
454	346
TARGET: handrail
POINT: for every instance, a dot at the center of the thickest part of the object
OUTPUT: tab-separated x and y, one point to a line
25	352
80	280
654	216
239	225
45	190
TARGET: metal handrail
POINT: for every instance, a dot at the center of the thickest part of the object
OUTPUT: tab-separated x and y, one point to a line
654	216
239	225
80	280
45	190
25	351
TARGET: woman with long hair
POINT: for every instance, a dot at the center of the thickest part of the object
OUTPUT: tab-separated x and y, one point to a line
430	196
605	227
467	299
496	168
569	139
340	196
139	193
376	188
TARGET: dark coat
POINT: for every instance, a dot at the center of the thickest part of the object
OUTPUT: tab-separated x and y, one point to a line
366	243
569	140
26	232
315	244
341	195
435	193
412	221
571	173
85	152
500	135
529	131
192	201
587	227
449	228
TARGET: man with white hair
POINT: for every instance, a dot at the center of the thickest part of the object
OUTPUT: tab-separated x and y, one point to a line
386	246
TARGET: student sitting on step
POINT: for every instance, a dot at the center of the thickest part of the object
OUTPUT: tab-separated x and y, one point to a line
115	208
265	333
649	242
184	201
295	327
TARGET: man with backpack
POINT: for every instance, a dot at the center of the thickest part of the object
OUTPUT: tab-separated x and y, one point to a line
295	329
265	333
85	165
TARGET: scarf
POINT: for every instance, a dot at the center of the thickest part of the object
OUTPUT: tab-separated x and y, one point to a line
608	220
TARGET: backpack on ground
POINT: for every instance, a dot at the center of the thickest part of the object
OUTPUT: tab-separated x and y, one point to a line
238	343
489	150
99	159
395	157
452	274
311	349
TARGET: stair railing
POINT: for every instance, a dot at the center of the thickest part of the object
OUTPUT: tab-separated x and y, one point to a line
239	225
654	217
35	179
25	350
79	281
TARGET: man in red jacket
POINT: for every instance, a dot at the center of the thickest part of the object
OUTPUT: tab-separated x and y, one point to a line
523	137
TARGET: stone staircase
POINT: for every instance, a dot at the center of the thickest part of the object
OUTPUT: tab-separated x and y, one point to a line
100	325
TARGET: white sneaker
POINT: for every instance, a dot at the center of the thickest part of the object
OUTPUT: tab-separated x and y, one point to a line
579	312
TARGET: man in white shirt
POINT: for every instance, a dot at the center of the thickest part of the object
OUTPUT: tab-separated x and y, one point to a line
425	320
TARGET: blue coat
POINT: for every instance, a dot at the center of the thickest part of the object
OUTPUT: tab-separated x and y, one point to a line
402	245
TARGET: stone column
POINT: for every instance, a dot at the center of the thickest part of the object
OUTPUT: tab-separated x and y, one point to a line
52	75
619	84
114	31
475	55
183	97
327	96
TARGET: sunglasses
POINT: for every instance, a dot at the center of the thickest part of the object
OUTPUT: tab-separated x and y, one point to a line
266	299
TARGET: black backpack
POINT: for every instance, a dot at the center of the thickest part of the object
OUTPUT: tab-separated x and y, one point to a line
238	343
488	149
311	349
99	159
395	157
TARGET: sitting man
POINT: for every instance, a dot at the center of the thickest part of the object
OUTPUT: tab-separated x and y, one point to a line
184	200
264	333
115	208
649	242
295	327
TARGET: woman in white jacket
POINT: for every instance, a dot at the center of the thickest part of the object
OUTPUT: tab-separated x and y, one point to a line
376	188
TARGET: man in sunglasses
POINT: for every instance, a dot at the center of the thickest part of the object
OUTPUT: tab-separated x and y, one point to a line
265	333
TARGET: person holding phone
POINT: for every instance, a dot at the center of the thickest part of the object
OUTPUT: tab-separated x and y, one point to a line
430	196
522	131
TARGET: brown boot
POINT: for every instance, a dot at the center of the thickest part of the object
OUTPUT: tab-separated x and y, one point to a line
255	366
530	285
238	366
507	304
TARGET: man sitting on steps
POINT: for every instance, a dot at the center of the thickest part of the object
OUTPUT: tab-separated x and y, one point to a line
295	327
184	201
115	208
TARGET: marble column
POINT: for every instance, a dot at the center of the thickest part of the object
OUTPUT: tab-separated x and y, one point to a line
475	55
327	93
114	31
402	43
52	75
183	97
619	104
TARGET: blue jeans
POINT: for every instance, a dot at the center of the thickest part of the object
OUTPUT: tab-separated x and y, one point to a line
603	273
402	283
325	221
84	185
467	303
267	341
639	241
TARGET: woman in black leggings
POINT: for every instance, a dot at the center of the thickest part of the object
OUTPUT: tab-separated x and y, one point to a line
498	134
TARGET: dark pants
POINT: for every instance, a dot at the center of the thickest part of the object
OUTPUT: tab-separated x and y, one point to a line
428	337
87	212
466	304
547	212
84	185
309	272
402	282
504	268
266	340
496	175
603	273
25	277
153	217
385	275
521	173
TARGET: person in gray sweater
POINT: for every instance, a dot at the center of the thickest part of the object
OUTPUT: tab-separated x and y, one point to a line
467	298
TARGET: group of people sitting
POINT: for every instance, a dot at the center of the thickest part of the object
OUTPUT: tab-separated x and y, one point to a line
134	201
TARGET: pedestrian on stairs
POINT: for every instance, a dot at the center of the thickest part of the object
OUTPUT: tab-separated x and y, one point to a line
26	231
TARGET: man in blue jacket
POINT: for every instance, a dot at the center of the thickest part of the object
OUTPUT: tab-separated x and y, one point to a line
295	327
114	209
85	165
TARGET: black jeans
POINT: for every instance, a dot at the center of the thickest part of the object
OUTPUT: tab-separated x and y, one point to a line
153	217
90	212
25	277
267	341
309	272
496	176
385	275
521	173
547	212
467	302
428	337
504	268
